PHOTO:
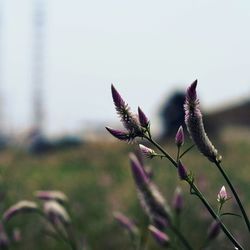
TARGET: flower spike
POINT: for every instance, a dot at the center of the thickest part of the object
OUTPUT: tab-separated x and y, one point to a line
143	119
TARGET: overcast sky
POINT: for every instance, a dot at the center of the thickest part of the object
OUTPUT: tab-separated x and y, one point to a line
146	48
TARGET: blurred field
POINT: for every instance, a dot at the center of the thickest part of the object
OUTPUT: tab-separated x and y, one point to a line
97	180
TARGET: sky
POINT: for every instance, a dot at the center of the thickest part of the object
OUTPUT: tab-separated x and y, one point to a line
147	49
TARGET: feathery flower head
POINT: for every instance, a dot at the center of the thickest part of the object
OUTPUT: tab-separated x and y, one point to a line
179	138
126	223
118	101
182	171
147	152
177	202
51	195
213	230
161	237
19	207
144	121
56	212
195	126
222	195
139	174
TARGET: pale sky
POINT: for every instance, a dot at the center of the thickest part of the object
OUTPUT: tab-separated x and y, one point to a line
145	48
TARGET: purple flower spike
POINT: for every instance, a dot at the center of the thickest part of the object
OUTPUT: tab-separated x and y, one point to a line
178	200
161	237
118	101
121	135
143	118
4	241
139	174
179	138
191	91
213	230
126	223
182	172
147	152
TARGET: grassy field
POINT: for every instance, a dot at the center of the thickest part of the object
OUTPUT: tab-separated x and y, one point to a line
97	180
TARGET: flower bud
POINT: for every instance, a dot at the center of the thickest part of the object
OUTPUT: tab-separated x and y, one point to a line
178	200
222	195
121	135
161	237
147	152
182	171
143	119
126	223
213	230
179	138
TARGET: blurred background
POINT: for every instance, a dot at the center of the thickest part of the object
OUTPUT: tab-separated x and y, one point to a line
57	62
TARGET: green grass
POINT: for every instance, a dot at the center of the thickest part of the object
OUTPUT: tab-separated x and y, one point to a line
97	180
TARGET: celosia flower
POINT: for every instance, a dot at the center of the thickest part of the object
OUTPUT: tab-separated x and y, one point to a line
121	135
161	237
56	212
147	152
150	198
178	200
179	138
194	122
51	195
144	121
126	223
20	207
222	195
213	230
128	119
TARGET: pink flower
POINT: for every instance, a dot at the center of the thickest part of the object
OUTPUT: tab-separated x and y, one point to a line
222	195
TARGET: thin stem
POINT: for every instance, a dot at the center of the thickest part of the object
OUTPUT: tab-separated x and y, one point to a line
235	195
200	196
181	237
188	149
216	217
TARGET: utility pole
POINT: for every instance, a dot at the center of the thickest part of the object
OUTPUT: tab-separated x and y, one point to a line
38	65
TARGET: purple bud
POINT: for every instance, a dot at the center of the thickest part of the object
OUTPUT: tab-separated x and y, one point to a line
213	230
126	223
182	172
143	118
139	174
222	195
21	206
161	237
119	134
118	101
147	152
179	138
178	200
191	91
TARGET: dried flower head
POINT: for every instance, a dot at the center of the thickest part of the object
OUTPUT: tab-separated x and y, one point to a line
161	237
179	138
222	195
56	212
51	195
126	223
195	126
20	207
147	152
177	202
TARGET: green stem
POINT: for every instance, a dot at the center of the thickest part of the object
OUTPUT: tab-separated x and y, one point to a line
235	194
200	196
